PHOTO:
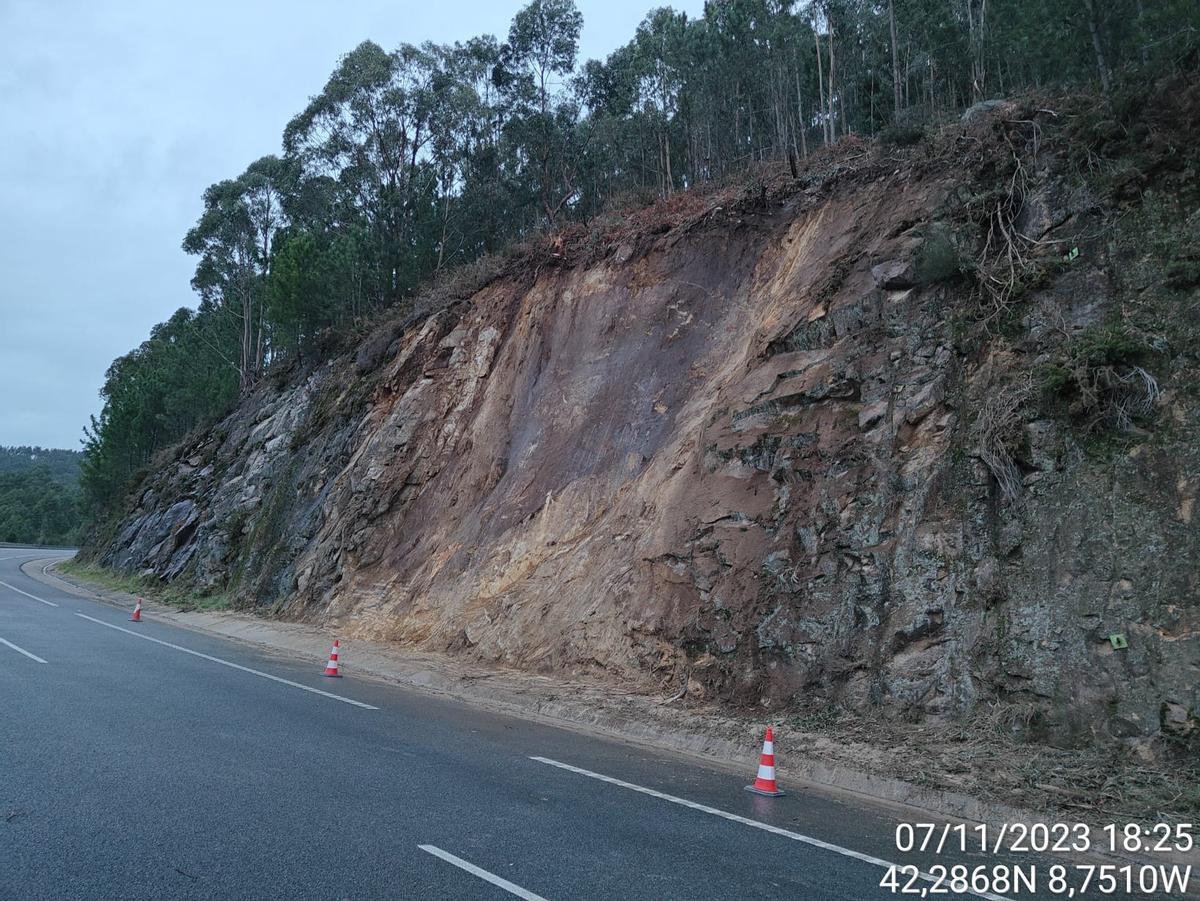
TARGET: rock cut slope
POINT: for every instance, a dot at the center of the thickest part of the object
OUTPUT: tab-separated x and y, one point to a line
790	450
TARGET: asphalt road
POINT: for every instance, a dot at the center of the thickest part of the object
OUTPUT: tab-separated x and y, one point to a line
133	769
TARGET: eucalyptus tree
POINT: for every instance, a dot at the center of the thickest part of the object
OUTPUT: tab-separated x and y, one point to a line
366	131
541	116
614	160
661	63
459	123
233	240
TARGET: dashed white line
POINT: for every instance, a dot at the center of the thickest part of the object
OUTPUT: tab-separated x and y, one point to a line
22	651
28	595
228	663
746	821
510	887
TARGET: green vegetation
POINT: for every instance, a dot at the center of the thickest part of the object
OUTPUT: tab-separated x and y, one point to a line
60	465
901	135
145	586
1101	379
416	160
153	396
938	259
1172	231
35	509
39	496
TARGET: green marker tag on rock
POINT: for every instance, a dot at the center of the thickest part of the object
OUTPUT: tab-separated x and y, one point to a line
1118	641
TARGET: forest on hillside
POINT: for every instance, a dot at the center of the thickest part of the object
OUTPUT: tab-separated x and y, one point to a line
39	495
61	465
425	159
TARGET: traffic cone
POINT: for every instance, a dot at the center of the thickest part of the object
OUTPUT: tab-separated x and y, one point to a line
765	783
331	668
137	612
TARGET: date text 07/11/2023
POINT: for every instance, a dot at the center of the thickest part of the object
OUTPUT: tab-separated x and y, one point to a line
1130	838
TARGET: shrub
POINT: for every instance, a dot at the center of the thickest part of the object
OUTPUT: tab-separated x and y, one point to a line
938	259
902	135
1107	345
1101	379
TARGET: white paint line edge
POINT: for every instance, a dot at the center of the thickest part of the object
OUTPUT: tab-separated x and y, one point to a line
230	664
746	821
509	887
22	651
28	595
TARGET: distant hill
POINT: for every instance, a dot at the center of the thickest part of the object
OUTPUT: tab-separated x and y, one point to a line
62	465
39	495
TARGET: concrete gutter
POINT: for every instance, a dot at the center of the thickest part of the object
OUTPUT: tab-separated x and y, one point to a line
719	740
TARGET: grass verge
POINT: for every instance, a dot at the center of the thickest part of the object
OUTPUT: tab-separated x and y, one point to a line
145	586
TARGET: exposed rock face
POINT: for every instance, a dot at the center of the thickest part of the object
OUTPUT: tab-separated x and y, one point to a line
747	457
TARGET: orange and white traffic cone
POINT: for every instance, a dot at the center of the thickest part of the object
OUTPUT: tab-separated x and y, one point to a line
136	617
331	668
765	783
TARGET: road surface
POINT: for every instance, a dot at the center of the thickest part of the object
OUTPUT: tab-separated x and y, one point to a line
191	767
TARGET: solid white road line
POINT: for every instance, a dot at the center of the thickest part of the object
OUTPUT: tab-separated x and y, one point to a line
746	821
28	595
509	887
231	665
22	651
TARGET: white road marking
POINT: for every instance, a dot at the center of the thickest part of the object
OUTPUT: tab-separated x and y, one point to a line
746	821
28	595
237	666
22	651
509	887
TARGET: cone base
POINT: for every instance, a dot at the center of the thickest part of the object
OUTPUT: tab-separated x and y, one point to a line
332	675
766	794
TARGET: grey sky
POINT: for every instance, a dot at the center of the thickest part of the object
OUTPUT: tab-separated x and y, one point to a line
114	118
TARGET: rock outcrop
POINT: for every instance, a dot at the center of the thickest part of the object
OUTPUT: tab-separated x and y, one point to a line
779	455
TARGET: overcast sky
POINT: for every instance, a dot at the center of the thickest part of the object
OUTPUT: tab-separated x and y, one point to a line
114	118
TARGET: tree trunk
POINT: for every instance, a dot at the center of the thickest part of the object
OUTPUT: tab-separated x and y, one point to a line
1141	27
832	114
821	90
667	160
800	124
1097	47
247	338
441	258
977	26
895	60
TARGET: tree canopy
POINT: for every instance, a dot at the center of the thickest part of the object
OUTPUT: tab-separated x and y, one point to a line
39	495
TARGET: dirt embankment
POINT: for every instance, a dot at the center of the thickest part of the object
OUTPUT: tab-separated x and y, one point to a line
913	440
